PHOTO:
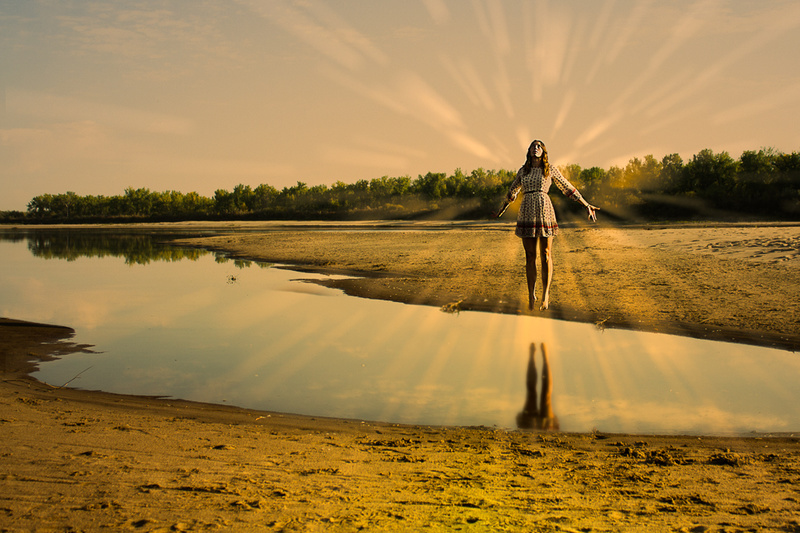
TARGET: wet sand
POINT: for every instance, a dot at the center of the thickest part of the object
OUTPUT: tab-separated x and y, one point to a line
88	460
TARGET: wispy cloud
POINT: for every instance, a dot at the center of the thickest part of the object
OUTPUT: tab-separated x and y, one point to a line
768	32
53	108
769	102
155	43
317	26
696	18
438	10
468	79
617	37
546	40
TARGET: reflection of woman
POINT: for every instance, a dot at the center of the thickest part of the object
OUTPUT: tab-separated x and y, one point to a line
536	223
541	416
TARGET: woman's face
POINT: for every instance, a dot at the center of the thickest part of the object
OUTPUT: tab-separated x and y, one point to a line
537	149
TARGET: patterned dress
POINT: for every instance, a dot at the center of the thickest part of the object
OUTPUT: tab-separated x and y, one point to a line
536	214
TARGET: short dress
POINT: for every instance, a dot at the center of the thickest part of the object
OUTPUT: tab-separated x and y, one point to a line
536	214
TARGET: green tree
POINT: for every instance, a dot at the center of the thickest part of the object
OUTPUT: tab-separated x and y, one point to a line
139	201
650	175
431	185
671	173
592	178
264	197
573	174
223	202
41	206
758	165
710	174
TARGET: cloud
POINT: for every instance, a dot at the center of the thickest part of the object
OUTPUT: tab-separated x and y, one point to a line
618	36
470	144
54	108
546	41
50	149
349	155
492	21
426	103
468	79
152	42
438	11
767	33
320	28
770	102
599	127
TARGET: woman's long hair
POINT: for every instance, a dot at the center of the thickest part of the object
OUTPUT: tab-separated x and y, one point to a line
529	159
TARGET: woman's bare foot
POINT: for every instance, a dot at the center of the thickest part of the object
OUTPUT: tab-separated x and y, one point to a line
545	302
531	300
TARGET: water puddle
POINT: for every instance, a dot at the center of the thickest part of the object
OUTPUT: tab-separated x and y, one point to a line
190	324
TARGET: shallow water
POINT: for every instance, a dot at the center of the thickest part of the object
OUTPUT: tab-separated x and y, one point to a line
193	325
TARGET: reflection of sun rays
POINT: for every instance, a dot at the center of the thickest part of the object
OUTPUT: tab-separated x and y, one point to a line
685	385
325	331
428	385
276	349
285	347
680	379
491	348
409	358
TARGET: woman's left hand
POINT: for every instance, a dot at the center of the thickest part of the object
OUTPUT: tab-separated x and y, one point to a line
592	212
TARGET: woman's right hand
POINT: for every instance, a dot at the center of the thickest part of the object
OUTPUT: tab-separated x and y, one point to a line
592	212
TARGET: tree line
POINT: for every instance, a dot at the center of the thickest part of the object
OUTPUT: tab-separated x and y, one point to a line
763	183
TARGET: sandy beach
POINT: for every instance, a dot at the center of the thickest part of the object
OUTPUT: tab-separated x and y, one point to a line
82	460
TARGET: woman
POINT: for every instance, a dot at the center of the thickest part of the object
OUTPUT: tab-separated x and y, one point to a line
536	223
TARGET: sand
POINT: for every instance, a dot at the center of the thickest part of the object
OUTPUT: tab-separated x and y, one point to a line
82	460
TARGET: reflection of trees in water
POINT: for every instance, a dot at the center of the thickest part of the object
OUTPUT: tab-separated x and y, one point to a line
239	263
533	415
137	249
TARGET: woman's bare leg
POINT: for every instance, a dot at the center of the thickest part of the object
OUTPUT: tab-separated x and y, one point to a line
531	251
545	247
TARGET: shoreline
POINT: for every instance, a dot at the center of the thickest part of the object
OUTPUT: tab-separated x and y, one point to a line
649	279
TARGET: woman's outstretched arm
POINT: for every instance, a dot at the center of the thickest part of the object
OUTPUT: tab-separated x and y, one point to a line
570	191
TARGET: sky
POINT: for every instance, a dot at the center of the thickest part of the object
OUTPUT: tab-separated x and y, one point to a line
199	95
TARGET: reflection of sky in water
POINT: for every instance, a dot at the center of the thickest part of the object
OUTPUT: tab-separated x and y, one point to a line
182	329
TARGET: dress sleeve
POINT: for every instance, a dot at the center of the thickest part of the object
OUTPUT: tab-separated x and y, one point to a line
516	184
566	187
